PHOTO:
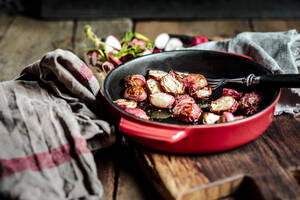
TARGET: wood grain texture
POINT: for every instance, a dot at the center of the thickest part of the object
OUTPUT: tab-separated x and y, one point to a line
5	22
208	28
269	25
106	172
27	40
266	161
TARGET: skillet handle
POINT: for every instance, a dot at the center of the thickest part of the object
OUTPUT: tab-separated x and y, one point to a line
158	133
281	80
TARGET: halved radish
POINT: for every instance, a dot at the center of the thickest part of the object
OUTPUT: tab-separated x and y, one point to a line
196	81
161	40
136	93
224	104
200	93
156	74
231	92
187	112
135	80
113	42
210	118
153	86
171	85
227	117
125	103
183	98
173	44
137	112
161	100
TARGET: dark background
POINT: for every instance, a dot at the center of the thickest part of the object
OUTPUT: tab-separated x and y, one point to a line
154	9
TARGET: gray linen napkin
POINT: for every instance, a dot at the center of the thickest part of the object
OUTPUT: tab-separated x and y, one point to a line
277	51
45	122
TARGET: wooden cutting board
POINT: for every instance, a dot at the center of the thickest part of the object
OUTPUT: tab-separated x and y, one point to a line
267	168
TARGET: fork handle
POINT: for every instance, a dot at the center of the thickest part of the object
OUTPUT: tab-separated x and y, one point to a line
281	80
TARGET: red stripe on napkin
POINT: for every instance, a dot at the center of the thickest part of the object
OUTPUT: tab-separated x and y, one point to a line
86	72
40	161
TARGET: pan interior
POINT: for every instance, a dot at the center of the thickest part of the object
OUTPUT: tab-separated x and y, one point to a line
208	63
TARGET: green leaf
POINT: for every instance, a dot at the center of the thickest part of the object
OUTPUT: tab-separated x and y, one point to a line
93	37
141	37
127	37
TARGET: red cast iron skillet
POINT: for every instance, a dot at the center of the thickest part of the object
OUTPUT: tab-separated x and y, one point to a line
175	136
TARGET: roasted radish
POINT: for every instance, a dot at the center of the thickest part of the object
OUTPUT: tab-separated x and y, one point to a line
249	100
224	104
156	74
210	118
171	85
231	92
183	98
161	100
135	80
153	86
227	117
196	81
136	93
125	103
187	112
200	93
137	112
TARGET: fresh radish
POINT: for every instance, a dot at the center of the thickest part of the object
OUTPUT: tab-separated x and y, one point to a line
199	40
142	44
161	40
114	59
146	52
173	44
107	66
113	42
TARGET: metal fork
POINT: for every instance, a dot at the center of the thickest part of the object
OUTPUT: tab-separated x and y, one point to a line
281	80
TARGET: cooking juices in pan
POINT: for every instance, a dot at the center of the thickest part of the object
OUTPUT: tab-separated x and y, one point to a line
185	98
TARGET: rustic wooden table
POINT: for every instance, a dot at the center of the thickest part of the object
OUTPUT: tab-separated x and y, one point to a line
267	168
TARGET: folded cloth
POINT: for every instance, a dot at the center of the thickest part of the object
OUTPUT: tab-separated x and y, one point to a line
277	51
45	122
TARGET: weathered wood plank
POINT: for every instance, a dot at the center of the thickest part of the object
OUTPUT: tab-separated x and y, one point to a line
265	161
269	25
208	28
5	21
132	182
27	40
106	172
102	28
